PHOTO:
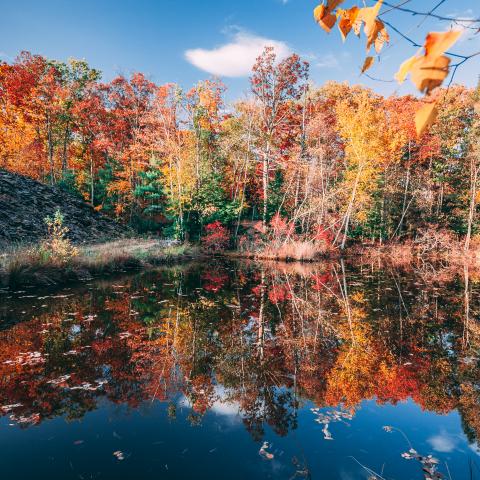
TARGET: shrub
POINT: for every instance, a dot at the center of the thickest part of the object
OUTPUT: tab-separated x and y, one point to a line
280	227
323	239
216	237
56	247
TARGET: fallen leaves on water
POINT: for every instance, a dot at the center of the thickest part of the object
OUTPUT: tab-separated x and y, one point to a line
27	358
9	408
429	464
32	419
325	418
264	453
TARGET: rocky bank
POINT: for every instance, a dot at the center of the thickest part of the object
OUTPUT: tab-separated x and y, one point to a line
24	204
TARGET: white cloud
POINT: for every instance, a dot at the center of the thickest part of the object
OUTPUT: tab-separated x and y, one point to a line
443	442
235	59
327	61
225	408
222	406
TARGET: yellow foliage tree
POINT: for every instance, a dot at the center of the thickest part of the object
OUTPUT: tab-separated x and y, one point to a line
370	146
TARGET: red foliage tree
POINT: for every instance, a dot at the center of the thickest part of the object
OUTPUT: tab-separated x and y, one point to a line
216	238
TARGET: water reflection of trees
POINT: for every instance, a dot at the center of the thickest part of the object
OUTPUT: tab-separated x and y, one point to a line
262	338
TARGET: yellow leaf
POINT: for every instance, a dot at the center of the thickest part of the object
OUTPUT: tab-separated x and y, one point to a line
369	15
324	18
369	61
430	70
405	68
333	4
319	13
347	21
382	37
428	74
376	32
437	43
425	117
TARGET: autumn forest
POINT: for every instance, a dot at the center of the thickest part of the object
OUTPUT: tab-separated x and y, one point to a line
331	166
266	268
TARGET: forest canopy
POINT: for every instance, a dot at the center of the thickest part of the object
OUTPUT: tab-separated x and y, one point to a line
329	164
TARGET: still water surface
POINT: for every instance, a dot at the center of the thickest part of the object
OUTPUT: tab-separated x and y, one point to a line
238	370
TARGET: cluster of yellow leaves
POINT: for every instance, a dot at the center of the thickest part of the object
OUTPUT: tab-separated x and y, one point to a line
16	136
369	150
353	19
428	71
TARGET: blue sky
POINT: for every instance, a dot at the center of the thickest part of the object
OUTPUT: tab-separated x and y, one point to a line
186	41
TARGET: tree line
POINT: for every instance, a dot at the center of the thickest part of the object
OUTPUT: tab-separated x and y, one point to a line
335	164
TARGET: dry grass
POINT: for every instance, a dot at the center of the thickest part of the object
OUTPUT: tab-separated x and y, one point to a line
294	250
29	265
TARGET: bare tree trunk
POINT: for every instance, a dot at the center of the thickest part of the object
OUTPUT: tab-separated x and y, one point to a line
466	298
261	326
245	172
65	149
404	205
346	220
265	183
473	194
92	184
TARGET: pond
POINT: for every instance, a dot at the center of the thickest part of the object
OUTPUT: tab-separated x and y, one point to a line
238	370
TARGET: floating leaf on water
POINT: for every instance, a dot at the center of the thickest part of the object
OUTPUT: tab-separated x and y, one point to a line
8	408
264	453
429	464
59	380
71	352
119	454
328	417
28	358
89	387
326	433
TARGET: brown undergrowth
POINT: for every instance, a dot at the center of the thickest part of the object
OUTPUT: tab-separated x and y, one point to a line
31	266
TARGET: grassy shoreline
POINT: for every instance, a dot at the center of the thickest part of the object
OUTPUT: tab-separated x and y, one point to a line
21	266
